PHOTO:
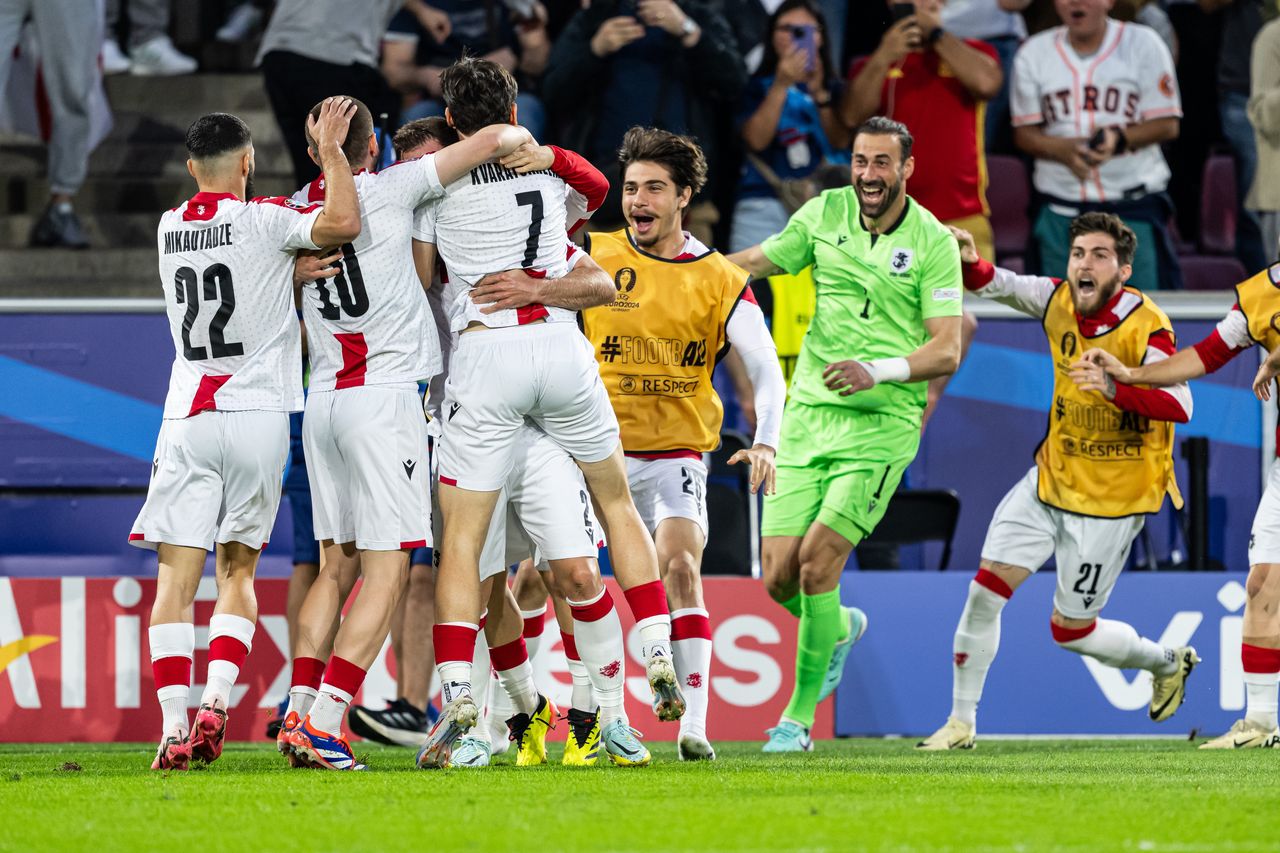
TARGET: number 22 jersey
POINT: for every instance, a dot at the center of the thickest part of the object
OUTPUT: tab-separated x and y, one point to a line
226	267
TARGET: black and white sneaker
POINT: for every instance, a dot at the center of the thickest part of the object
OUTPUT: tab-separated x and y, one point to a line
399	724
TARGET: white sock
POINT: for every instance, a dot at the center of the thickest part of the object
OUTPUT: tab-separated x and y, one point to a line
173	640
300	700
581	698
655	635
1118	644
693	667
222	673
975	644
1261	689
601	648
533	644
517	683
173	707
329	708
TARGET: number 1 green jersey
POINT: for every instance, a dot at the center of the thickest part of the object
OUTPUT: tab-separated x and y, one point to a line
874	293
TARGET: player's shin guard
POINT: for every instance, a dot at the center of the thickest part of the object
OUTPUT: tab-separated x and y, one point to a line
511	662
648	603
1261	671
173	646
534	621
230	639
304	684
598	640
976	642
342	681
691	645
1116	644
820	628
455	644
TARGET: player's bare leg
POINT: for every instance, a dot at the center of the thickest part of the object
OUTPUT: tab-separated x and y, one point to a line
635	565
780	565
172	641
300	581
977	639
680	544
1260	656
318	621
466	523
822	557
414	670
231	628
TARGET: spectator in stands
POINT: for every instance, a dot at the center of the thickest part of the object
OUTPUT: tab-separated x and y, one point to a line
67	38
655	63
1264	114
935	83
1241	21
997	23
316	48
788	123
513	35
151	53
1092	101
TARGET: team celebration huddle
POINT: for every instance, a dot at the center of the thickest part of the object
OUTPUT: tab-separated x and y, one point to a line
480	384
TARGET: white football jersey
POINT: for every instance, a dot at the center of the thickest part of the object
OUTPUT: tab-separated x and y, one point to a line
371	324
226	267
492	220
1129	80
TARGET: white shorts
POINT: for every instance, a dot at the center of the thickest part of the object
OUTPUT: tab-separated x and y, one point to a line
1091	552
216	478
669	488
1264	537
545	371
543	512
366	452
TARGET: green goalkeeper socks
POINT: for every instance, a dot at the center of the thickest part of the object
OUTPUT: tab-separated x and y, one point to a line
822	623
792	605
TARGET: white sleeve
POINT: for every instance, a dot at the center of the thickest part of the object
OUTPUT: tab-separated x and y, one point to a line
574	254
288	222
1024	90
1234	329
1180	392
1029	294
1159	84
424	224
747	332
426	184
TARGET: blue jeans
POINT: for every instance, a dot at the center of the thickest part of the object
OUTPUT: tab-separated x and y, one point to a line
755	220
1232	108
529	110
998	128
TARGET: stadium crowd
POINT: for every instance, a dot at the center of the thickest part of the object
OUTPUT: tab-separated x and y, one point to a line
771	90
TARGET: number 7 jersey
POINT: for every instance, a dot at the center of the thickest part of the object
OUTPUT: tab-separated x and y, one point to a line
226	267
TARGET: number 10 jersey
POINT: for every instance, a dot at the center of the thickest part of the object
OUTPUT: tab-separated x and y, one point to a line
226	267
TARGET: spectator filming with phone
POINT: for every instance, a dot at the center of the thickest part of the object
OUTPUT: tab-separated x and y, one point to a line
788	122
936	84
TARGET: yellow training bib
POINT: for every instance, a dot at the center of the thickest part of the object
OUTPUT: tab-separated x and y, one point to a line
659	340
1259	299
1096	458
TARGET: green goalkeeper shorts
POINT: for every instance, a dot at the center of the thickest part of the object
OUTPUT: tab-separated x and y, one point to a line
837	466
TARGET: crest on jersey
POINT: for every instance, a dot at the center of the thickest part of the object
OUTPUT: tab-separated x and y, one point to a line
1068	344
200	210
625	280
900	261
295	205
1166	85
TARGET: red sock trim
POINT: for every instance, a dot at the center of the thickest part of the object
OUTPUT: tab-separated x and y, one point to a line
454	643
1259	659
533	625
695	626
647	600
171	672
307	672
570	646
992	581
344	675
599	609
1069	635
229	649
510	656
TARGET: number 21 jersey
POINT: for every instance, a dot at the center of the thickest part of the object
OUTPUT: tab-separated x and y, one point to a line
226	267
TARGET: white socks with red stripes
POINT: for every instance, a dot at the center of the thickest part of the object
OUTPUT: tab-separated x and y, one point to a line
975	644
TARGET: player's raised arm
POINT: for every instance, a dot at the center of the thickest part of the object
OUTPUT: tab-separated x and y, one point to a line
1029	294
1225	342
339	222
754	261
489	143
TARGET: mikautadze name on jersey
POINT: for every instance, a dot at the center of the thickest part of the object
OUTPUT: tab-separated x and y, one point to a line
197	239
1100	417
633	349
489	173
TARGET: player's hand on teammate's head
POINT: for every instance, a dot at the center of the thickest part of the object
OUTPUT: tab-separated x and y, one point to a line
508	138
847	377
529	157
763	473
504	290
312	266
1091	376
968	246
330	127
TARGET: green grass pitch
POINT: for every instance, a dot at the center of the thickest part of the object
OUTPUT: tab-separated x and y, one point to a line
849	795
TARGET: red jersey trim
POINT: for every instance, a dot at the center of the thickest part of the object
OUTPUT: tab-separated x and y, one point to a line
1214	352
204	399
355	351
203	206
